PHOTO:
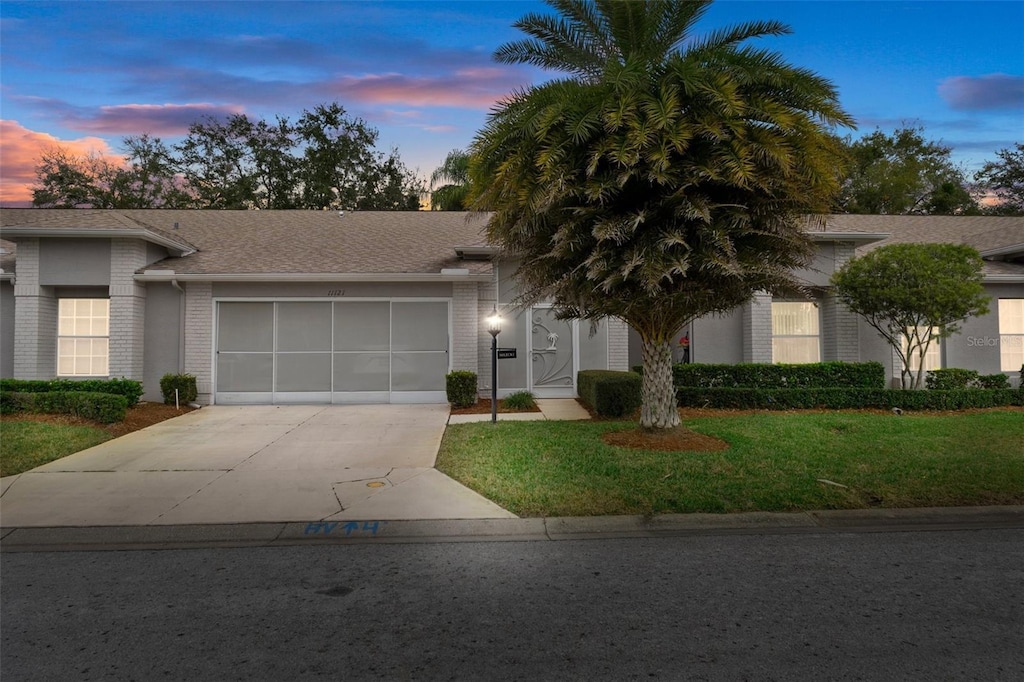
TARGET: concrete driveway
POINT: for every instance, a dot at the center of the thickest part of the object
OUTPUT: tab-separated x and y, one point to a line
245	464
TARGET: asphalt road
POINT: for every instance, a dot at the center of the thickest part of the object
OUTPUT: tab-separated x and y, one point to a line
869	606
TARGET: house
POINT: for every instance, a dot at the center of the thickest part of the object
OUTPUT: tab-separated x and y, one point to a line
815	327
315	306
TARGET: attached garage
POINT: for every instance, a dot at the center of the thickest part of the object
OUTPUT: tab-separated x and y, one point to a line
330	351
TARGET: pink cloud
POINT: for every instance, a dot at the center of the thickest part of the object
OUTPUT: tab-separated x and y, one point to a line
20	149
471	88
132	119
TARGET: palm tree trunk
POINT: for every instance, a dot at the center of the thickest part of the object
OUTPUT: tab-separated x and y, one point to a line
658	409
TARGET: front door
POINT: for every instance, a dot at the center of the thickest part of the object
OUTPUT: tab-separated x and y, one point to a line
552	356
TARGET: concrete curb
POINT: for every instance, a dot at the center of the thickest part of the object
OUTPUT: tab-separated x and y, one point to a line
95	538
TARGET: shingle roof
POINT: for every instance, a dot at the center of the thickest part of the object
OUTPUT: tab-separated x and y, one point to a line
244	242
982	232
384	242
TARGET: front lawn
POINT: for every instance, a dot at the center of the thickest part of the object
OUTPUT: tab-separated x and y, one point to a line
25	445
774	463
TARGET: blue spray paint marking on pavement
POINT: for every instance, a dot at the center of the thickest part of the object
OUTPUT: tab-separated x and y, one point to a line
351	528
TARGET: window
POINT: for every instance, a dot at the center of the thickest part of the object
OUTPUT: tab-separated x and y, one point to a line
1011	334
796	332
83	328
932	358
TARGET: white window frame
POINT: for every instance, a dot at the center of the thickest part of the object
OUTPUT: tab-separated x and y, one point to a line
1011	334
780	339
83	337
932	358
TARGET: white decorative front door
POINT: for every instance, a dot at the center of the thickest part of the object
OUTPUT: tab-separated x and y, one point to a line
552	355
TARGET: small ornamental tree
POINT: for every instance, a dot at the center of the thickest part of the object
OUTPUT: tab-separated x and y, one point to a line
913	295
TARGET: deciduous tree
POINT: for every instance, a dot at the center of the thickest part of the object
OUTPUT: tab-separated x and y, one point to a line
913	295
1005	178
903	173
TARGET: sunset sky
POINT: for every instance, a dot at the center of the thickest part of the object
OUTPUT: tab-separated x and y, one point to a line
87	74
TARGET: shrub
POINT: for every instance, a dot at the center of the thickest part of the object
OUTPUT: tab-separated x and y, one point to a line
847	398
751	375
994	381
185	384
609	393
106	408
460	386
950	379
130	389
520	400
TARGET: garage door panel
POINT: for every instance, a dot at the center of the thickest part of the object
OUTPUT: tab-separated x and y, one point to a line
362	326
419	326
304	327
246	327
298	372
354	372
418	371
245	372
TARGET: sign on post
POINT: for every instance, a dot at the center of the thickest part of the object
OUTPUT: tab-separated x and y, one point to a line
506	353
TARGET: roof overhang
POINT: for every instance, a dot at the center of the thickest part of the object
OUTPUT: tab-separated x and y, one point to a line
477	252
1003	279
855	237
445	276
1002	251
179	248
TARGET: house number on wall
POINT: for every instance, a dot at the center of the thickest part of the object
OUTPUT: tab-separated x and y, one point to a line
335	292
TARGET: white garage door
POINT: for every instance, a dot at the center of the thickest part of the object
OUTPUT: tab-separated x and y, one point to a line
324	351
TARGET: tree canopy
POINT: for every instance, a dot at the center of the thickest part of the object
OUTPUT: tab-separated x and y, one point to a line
914	294
903	173
1005	178
326	159
662	179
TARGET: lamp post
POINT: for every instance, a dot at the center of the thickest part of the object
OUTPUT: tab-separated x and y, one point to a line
494	328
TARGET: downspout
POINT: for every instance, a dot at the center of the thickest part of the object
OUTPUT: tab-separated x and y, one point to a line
181	327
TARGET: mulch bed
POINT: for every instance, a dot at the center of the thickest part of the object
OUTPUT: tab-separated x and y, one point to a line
483	406
139	417
664	440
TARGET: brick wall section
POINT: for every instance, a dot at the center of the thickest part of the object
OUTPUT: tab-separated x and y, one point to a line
199	337
840	327
465	325
127	309
757	329
618	344
35	318
485	303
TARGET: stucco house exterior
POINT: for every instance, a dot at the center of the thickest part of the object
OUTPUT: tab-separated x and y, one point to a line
279	307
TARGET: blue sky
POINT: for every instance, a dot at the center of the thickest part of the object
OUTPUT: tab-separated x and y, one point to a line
86	74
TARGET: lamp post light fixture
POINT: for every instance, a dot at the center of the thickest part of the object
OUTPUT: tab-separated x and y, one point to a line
494	328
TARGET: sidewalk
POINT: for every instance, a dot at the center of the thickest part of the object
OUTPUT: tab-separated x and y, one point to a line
507	530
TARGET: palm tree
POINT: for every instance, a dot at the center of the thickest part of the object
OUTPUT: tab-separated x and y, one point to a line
662	178
454	172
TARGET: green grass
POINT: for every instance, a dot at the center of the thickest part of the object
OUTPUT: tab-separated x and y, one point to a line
773	463
26	445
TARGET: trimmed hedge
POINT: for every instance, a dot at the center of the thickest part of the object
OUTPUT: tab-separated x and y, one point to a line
460	388
847	398
771	376
185	385
105	408
609	393
130	389
953	378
